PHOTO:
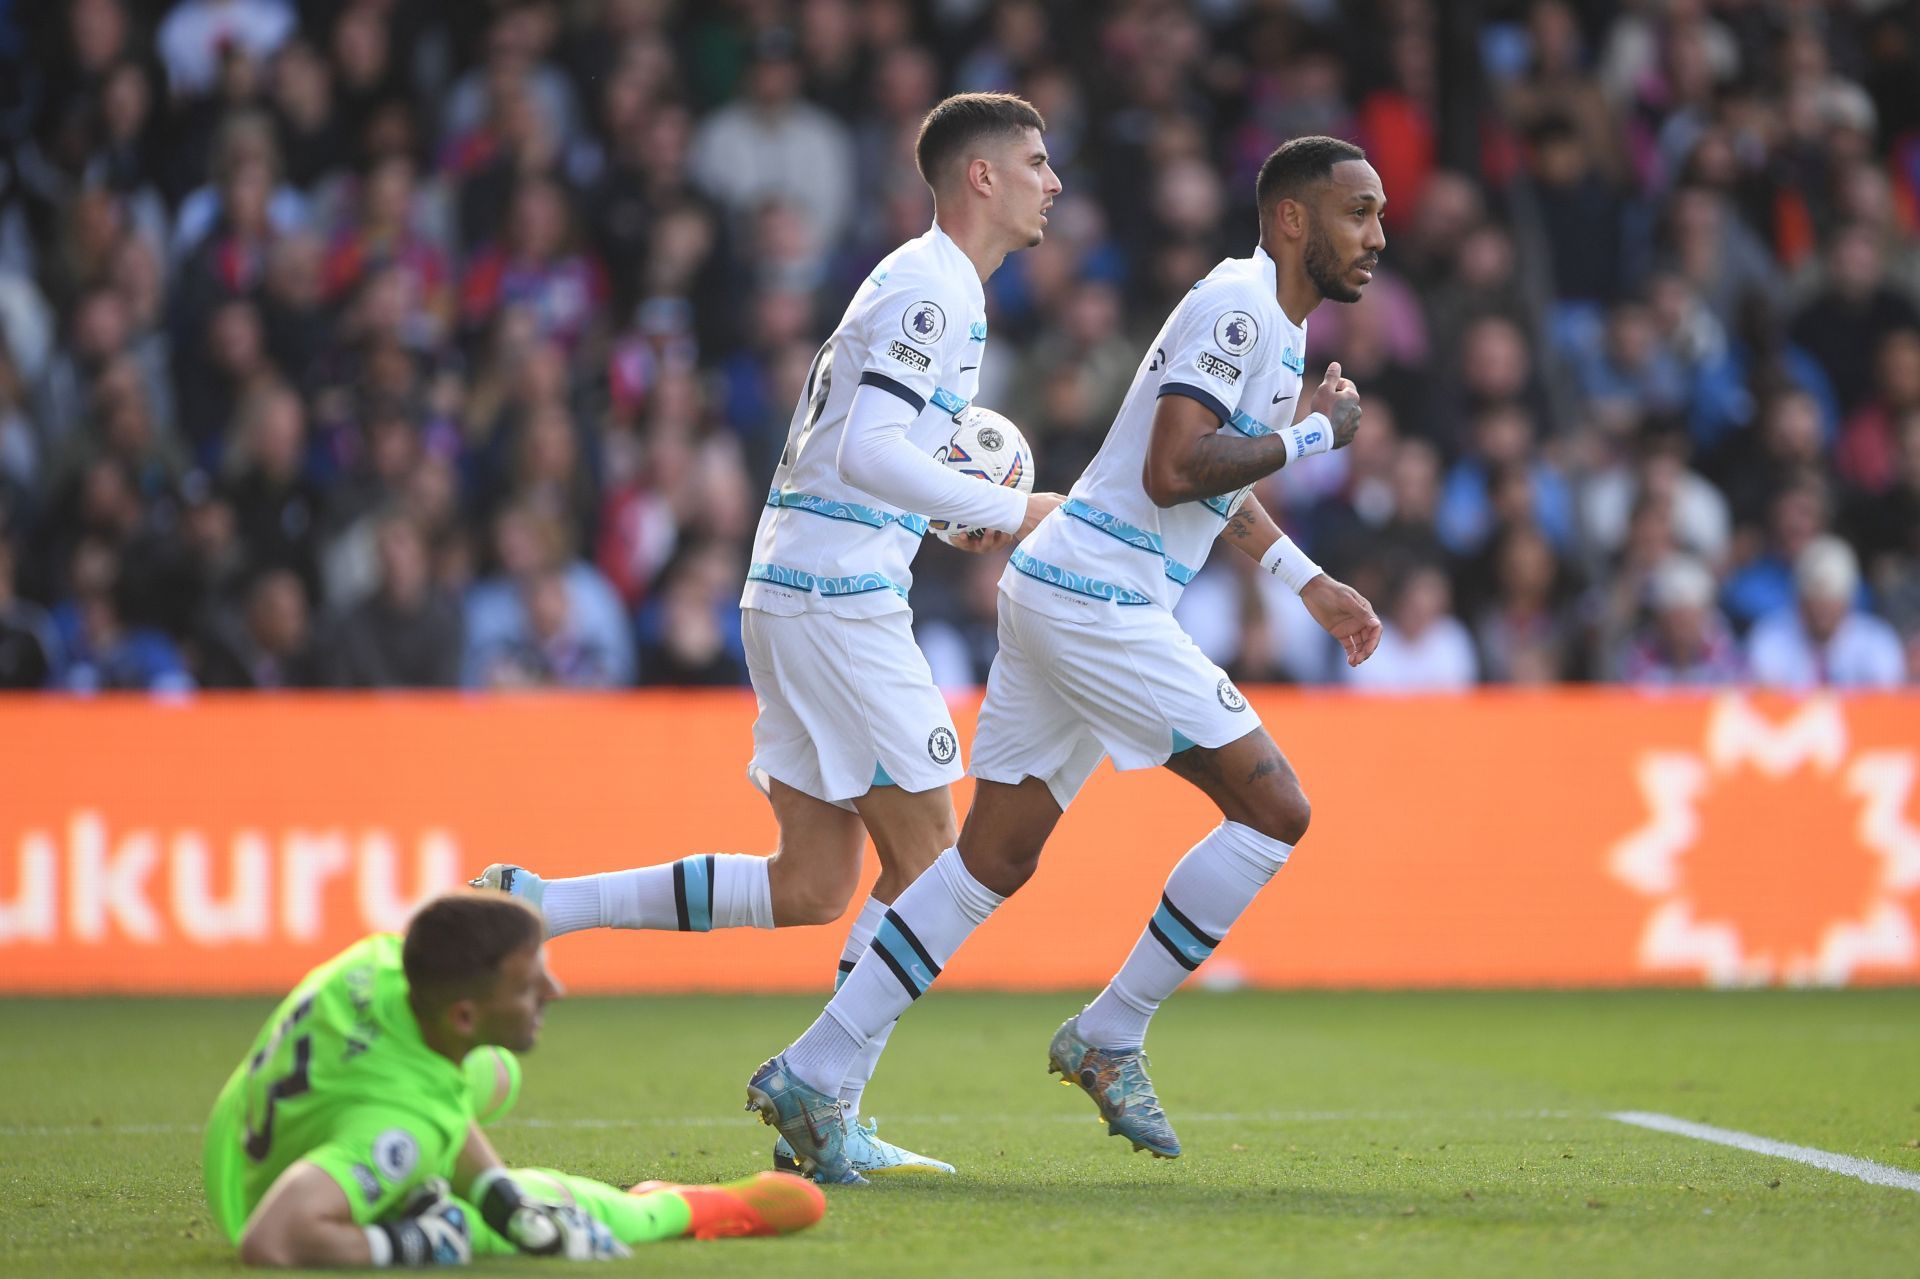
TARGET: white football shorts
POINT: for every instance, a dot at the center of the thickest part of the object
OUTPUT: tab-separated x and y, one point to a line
1076	679
846	704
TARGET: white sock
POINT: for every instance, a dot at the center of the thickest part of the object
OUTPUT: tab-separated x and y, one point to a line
872	911
915	940
1213	884
694	894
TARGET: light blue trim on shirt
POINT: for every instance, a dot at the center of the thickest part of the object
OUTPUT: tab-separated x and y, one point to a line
800	580
835	509
1248	425
949	402
1132	535
1078	583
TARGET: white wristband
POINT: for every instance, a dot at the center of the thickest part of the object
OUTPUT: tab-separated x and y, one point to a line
379	1248
1311	434
1290	564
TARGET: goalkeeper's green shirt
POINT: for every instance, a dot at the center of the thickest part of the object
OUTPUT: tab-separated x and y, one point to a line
338	1076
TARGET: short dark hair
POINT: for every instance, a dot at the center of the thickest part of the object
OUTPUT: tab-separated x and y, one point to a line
456	943
1294	166
957	122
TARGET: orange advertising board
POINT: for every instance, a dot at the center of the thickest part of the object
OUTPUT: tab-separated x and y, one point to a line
1560	839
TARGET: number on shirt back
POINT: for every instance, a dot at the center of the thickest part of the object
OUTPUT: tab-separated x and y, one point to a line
819	382
291	1082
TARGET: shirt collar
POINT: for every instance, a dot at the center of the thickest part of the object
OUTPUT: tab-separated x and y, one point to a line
961	263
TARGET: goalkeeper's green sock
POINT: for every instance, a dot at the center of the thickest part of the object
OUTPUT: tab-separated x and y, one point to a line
634	1219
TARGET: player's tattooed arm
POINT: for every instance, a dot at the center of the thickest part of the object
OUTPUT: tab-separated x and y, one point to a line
1250	529
1188	459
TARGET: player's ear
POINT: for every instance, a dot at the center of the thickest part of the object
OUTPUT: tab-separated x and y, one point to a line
980	175
1289	218
463	1016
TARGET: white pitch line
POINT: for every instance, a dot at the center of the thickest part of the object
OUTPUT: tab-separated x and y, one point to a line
744	1120
1846	1165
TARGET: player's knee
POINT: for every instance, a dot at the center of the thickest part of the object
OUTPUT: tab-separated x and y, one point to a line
800	904
267	1248
1005	867
1282	815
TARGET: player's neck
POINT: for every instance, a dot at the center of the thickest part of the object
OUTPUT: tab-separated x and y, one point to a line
1294	289
977	241
438	1037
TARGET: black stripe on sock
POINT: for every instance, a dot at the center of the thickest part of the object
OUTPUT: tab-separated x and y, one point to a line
914	942
1184	922
709	860
906	982
1172	949
680	896
846	965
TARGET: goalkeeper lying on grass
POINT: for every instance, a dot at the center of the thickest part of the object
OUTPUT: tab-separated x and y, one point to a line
349	1134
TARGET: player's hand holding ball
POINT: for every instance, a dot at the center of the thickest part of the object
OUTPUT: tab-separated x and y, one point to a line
540	1227
988	446
1338	400
1346	615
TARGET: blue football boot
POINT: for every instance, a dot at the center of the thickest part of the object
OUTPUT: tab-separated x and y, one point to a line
1118	1084
813	1123
868	1155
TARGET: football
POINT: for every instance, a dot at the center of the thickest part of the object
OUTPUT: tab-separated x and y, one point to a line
989	446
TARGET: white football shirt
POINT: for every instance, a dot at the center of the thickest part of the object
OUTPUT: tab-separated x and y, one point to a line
1229	346
918	329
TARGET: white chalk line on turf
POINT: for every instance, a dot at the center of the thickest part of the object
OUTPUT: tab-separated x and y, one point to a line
1846	1165
743	1120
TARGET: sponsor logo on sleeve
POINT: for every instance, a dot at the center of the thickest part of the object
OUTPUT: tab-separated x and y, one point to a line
368	1183
1217	367
924	322
1236	332
396	1153
916	360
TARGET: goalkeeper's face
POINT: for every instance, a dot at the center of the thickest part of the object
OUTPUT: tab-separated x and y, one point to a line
510	1013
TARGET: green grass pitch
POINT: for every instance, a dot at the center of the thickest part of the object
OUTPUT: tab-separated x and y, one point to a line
1326	1134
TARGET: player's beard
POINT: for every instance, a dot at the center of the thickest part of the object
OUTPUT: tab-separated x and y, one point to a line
1323	266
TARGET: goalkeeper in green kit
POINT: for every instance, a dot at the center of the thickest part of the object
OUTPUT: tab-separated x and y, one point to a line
349	1134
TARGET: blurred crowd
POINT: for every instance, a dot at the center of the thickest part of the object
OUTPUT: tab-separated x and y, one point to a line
367	343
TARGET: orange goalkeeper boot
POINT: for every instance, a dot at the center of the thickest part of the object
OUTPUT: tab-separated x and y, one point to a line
767	1203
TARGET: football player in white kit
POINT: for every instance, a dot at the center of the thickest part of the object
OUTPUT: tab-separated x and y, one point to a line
853	739
1092	663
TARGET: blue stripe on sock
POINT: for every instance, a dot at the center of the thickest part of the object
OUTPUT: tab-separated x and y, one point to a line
1188	945
914	966
699	880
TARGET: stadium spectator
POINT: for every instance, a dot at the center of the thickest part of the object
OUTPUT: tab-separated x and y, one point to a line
407	633
1685	641
269	644
1657	294
1823	639
1432	651
29	653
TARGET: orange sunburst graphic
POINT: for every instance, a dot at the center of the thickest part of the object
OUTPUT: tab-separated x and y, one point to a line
1776	853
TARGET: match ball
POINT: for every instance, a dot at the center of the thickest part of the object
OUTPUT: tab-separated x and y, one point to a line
986	445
